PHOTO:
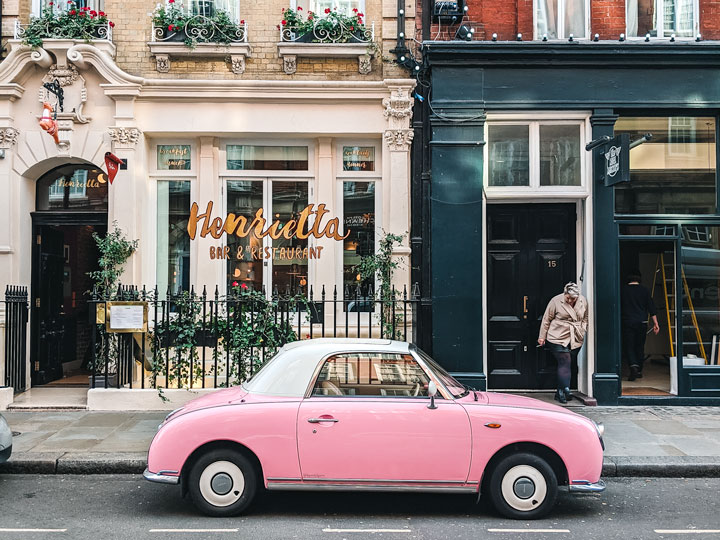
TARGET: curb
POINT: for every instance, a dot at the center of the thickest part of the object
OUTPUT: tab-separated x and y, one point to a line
135	463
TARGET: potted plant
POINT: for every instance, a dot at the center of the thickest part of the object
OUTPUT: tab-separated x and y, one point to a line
333	27
171	23
70	23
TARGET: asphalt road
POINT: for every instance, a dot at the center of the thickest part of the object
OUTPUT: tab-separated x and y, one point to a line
126	506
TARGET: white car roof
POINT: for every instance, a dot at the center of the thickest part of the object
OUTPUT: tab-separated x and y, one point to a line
289	372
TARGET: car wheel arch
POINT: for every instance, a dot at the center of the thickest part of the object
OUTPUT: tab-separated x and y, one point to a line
548	454
215	445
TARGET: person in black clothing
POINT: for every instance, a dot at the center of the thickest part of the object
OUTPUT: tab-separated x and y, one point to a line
636	304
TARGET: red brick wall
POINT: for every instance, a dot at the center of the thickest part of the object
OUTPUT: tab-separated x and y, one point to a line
710	19
607	18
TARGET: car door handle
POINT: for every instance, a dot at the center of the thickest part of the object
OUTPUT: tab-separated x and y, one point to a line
318	420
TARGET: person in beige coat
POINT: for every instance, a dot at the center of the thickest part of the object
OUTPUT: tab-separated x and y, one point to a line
562	333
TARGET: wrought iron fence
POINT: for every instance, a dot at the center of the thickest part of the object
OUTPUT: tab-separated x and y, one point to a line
89	31
202	29
16	318
209	340
328	30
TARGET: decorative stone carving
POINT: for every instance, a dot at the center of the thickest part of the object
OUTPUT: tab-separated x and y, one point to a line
237	63
364	64
399	104
8	137
125	137
162	63
290	64
399	139
74	92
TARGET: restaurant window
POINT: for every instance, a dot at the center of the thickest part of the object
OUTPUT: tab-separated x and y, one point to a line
243	157
558	19
280	263
173	241
371	374
535	155
209	8
674	172
174	157
662	18
73	188
359	220
700	277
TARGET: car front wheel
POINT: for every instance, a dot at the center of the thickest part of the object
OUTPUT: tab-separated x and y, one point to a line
523	486
222	483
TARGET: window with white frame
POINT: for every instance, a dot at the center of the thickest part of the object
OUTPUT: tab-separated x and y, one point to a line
208	8
346	7
558	19
64	5
662	18
543	154
173	241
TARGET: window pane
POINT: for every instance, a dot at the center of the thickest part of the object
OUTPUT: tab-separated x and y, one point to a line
546	18
209	8
701	294
642	17
509	155
173	241
344	6
73	188
359	212
678	17
358	158
267	158
173	157
245	264
369	374
673	173
575	18
290	261
647	230
560	156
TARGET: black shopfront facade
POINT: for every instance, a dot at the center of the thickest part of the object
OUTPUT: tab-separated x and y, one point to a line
508	206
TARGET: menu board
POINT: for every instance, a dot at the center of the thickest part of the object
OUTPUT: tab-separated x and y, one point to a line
358	158
173	157
126	317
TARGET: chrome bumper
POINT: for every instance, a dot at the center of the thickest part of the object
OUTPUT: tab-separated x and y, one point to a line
587	487
160	478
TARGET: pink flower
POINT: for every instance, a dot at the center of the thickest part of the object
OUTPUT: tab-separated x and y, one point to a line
361	14
171	1
355	10
242	22
101	13
235	284
327	10
243	286
72	12
283	22
299	8
170	28
112	24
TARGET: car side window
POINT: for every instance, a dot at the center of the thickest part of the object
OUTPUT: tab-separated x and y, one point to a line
371	374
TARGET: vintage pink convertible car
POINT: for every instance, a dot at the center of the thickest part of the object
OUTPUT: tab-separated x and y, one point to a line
377	415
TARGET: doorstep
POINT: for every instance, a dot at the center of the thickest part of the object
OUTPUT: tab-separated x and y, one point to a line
39	398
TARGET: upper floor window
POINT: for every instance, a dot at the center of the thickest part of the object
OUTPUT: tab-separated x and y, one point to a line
662	18
208	8
558	19
63	5
319	6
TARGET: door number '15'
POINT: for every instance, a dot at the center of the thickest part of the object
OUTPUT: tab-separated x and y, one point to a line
552	264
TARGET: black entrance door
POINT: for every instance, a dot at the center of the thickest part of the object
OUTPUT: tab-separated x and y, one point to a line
531	255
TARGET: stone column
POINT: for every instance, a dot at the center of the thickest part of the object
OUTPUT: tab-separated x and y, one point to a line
8	270
207	272
325	193
128	198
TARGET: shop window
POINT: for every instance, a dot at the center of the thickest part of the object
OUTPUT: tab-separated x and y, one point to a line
173	242
268	263
700	277
662	18
209	8
371	374
673	173
319	6
535	155
359	219
174	157
558	19
241	157
73	188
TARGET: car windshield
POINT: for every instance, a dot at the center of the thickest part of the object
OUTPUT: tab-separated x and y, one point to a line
456	388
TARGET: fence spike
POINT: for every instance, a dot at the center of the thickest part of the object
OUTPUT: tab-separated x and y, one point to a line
335	292
192	291
204	293
217	293
144	293
405	291
311	293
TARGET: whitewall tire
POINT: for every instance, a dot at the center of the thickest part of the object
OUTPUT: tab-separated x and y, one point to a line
222	483
523	486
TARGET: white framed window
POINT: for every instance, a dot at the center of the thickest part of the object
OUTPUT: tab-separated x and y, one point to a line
62	5
544	157
319	6
172	241
662	18
208	8
558	19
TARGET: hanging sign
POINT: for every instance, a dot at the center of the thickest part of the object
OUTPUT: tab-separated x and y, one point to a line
617	160
112	162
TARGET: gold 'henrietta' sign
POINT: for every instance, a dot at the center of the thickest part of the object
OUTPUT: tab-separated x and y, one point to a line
242	226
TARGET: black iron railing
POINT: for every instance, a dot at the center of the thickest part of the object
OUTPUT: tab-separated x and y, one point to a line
16	318
209	340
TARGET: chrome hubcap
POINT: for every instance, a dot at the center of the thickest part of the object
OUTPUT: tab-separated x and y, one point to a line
221	484
524	488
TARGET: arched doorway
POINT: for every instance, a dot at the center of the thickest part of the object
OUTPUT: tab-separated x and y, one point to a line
71	205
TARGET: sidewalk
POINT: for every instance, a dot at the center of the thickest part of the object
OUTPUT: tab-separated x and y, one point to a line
639	441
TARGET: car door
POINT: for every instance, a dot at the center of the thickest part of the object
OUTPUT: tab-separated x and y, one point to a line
367	419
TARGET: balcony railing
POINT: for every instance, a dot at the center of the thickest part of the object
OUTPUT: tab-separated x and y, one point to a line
201	29
321	33
88	32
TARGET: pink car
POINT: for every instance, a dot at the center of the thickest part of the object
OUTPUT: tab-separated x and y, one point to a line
375	415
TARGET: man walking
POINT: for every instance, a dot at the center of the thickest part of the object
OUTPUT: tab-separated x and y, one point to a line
636	305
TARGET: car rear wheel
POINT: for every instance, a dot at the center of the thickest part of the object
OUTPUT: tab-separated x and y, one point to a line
222	483
523	486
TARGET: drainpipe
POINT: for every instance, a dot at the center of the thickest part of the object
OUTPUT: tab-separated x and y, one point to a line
404	58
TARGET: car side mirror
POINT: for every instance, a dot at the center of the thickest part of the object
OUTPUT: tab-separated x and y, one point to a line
432	390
